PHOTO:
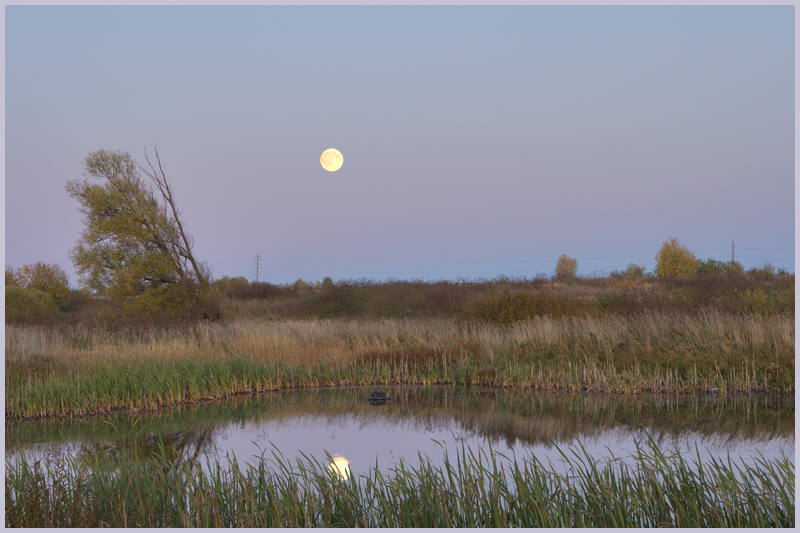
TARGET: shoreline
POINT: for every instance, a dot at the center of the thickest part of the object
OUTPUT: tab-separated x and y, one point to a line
76	370
13	419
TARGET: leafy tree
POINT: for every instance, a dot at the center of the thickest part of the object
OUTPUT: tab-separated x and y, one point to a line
29	306
634	271
566	268
238	287
712	266
675	260
47	278
12	278
134	243
765	270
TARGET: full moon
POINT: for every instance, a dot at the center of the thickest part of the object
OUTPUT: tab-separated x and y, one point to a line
331	160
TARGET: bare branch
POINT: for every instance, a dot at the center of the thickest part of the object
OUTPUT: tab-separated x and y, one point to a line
184	247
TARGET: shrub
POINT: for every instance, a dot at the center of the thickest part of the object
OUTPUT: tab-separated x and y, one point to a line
675	260
263	289
13	278
767	303
48	278
77	300
242	289
511	307
634	271
766	270
234	287
566	268
29	306
173	303
712	266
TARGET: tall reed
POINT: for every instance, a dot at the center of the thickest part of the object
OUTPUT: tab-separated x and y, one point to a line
477	489
77	370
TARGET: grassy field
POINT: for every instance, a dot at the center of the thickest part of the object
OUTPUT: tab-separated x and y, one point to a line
722	334
473	490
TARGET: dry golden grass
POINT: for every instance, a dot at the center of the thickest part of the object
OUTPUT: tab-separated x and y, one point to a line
74	369
334	340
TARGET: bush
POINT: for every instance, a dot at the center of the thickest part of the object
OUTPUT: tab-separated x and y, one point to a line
767	303
233	287
48	278
263	289
675	260
242	289
712	266
173	303
29	306
12	278
77	300
634	271
511	307
766	270
566	268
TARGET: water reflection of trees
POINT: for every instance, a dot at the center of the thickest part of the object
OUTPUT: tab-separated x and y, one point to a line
176	447
543	418
506	416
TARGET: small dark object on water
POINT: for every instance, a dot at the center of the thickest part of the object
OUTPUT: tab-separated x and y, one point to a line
378	398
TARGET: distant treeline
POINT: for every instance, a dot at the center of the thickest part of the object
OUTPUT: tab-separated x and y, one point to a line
39	294
506	300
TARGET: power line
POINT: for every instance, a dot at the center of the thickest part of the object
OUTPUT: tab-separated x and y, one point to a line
766	249
298	264
453	263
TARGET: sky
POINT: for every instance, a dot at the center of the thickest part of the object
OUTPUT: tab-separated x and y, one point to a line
478	141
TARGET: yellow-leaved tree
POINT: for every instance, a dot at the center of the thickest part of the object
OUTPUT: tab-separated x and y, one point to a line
675	260
48	278
567	267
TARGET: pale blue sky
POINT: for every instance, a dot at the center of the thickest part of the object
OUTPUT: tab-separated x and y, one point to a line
476	140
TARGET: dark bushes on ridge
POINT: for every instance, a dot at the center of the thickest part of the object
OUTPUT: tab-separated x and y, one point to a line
502	300
511	307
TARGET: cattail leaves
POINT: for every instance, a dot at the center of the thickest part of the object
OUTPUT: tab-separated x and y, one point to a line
651	489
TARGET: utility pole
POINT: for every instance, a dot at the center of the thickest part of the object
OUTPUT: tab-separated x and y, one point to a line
257	264
732	262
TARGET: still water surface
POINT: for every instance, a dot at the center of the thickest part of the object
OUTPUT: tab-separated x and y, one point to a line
344	424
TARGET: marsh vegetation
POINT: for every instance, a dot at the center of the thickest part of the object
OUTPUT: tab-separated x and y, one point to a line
722	334
473	489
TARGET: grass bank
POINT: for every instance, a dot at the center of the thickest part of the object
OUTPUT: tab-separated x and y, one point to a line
473	490
79	369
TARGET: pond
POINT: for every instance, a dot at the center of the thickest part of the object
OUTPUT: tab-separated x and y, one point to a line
345	425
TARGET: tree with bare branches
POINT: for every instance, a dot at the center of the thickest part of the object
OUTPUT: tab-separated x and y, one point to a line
135	243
